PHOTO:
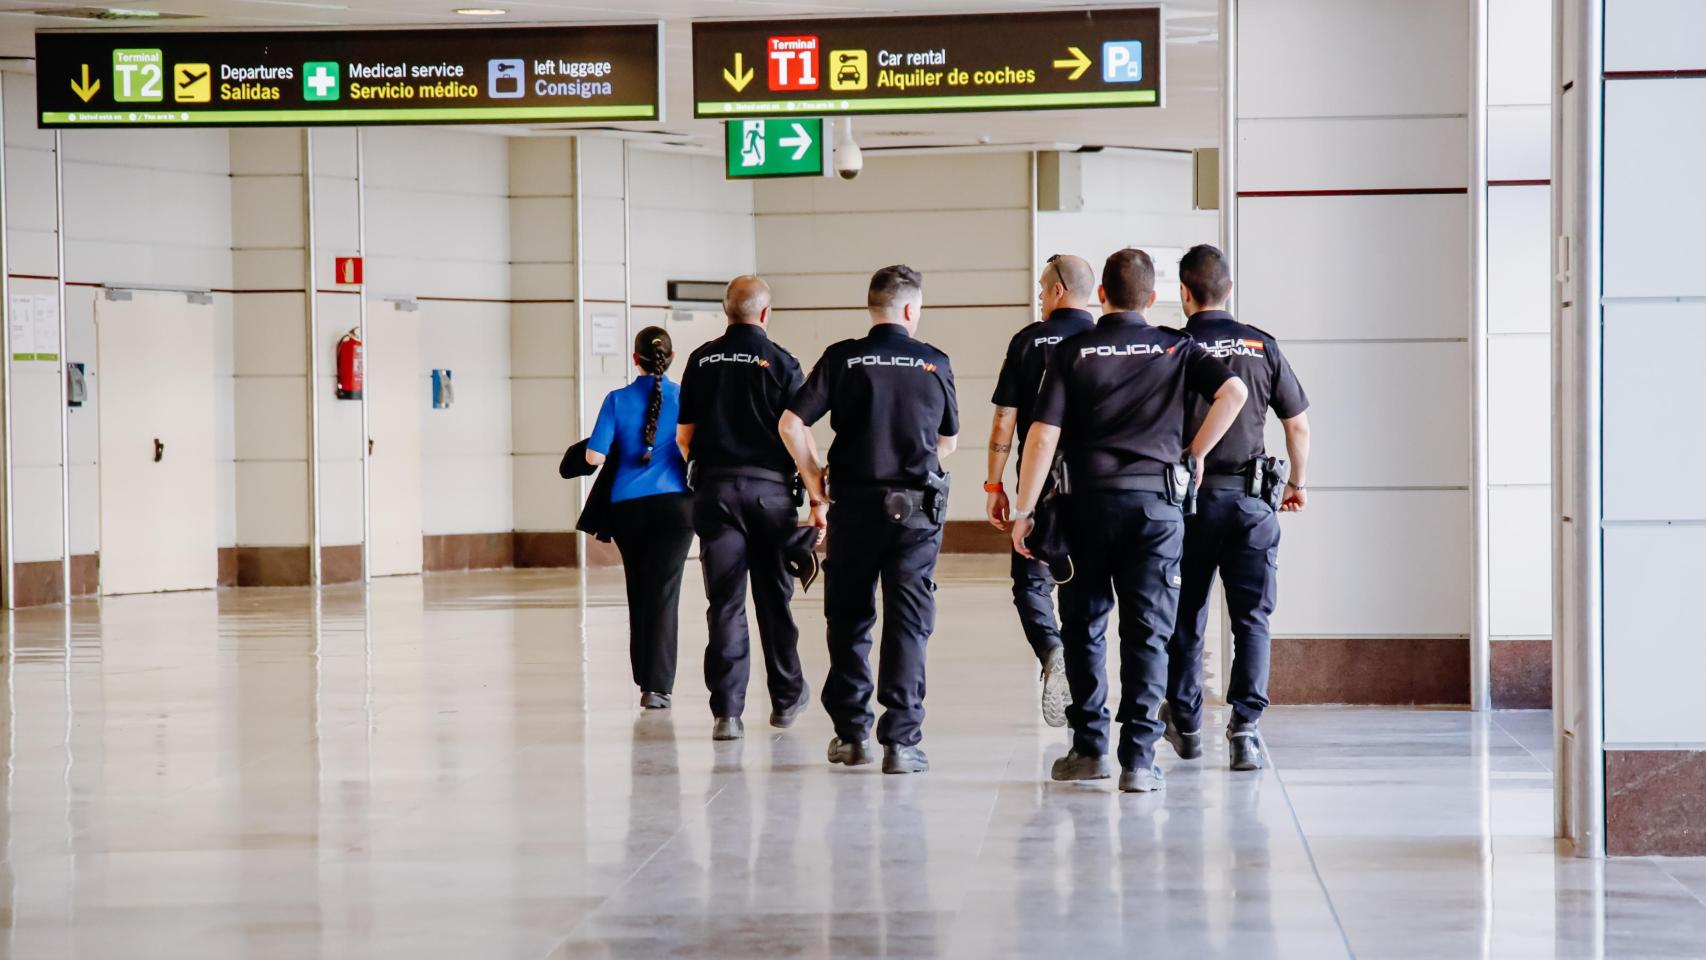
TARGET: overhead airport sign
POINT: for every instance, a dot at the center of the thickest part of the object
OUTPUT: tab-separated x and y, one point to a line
785	147
312	78
1012	61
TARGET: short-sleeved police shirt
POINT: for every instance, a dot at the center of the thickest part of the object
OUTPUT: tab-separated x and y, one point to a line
1118	394
888	397
733	392
1256	358
1027	357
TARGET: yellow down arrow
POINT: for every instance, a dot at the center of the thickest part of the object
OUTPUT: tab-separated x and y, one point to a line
1078	63
86	90
738	79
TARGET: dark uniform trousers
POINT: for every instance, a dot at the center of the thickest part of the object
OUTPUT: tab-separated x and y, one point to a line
1033	596
866	547
1238	535
742	523
653	535
1125	545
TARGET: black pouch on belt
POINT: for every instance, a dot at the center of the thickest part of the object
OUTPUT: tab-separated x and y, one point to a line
798	489
900	505
1275	472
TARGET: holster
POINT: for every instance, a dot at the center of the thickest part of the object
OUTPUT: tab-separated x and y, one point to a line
1182	485
1267	476
798	489
936	497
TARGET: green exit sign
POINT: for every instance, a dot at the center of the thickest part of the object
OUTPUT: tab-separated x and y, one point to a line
782	147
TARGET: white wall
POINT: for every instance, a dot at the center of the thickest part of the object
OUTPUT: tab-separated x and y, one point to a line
1370	295
140	208
1655	313
1519	344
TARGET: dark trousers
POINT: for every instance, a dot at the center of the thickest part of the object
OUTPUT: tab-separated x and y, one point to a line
1126	545
1033	597
653	534
865	547
1238	536
742	524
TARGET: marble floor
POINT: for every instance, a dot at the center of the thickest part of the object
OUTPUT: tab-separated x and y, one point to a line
455	766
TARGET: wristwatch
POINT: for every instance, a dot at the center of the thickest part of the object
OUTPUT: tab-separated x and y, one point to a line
1021	514
1296	486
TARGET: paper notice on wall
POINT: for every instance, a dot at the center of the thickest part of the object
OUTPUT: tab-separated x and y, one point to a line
47	327
21	313
606	338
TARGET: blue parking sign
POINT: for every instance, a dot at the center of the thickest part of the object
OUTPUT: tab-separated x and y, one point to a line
1122	61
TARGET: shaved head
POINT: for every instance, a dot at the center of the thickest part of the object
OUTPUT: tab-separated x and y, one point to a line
746	299
1075	275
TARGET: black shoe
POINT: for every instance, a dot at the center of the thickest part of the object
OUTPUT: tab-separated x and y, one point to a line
785	718
654	701
1078	766
1142	780
728	728
899	759
853	753
1244	743
1188	745
1056	694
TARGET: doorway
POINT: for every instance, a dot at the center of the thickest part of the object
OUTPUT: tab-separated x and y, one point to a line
396	389
155	356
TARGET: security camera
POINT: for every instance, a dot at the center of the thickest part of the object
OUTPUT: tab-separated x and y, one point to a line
849	160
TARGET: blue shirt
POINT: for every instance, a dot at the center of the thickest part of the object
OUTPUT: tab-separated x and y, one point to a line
622	421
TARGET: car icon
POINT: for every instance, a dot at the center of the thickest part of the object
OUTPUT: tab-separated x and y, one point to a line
849	73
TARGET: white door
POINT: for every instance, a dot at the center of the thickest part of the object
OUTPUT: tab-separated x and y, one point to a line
396	393
158	483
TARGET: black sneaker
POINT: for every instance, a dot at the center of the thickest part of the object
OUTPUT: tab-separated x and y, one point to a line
728	728
654	701
1078	766
1188	745
784	718
1244	743
853	753
1056	694
899	759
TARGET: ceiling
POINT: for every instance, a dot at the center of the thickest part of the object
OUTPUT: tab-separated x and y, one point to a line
1190	118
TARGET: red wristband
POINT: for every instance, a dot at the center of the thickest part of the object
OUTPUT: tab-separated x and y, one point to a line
996	487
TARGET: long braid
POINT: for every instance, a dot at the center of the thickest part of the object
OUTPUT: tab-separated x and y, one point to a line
653	352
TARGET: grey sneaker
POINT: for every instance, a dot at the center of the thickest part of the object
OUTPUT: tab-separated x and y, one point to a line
1187	744
1078	766
853	753
899	759
1244	743
1142	780
728	728
1056	695
654	701
785	718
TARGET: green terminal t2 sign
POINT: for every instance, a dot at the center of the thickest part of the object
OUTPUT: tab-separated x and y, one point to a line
313	78
788	147
1049	60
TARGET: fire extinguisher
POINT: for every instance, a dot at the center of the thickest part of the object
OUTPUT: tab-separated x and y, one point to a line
349	367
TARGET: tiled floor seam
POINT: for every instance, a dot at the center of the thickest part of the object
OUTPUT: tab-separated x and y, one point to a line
1660	863
1309	851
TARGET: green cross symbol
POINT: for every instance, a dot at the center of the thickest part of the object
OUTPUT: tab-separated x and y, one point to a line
320	80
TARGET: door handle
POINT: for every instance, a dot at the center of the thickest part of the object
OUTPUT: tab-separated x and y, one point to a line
370	446
159	450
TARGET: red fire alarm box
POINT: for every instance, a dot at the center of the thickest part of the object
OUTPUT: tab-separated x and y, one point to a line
348	270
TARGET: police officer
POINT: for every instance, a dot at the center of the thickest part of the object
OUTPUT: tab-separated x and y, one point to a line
1066	286
1235	530
1115	397
891	403
733	392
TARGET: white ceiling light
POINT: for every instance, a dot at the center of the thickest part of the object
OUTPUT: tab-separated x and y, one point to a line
480	11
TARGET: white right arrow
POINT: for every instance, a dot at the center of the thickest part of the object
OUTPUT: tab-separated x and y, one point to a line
802	140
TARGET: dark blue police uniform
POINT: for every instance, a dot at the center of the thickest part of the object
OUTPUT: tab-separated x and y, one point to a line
1021	376
733	391
1233	531
1118	394
888	397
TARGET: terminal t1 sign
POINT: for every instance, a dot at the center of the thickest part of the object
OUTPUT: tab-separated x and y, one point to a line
1051	60
312	78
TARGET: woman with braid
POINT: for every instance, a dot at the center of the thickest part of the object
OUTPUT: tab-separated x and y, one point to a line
651	510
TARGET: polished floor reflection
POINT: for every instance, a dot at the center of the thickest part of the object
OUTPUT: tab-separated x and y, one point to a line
455	767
